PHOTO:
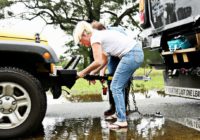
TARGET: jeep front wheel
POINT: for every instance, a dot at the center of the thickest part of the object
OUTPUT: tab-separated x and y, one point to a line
22	103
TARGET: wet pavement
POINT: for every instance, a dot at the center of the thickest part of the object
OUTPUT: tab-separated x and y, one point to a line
163	118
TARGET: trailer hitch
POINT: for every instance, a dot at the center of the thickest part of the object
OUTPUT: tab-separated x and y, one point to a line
65	76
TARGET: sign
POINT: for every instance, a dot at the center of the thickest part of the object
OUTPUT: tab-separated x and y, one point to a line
183	92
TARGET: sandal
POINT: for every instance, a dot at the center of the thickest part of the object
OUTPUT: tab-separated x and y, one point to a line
117	125
111	117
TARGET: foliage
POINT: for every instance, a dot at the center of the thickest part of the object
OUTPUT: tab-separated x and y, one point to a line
3	5
66	13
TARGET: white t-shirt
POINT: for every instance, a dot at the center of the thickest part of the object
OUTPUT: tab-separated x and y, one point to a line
113	42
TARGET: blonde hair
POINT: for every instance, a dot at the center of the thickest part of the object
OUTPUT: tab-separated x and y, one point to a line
81	27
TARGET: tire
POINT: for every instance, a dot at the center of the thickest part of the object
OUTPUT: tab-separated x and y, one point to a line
22	103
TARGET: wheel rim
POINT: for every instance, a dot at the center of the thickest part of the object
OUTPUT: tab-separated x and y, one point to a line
15	105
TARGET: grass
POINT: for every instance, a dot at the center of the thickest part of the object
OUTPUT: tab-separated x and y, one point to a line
82	86
82	91
156	81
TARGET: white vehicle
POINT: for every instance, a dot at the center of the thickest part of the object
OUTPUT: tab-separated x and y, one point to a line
172	42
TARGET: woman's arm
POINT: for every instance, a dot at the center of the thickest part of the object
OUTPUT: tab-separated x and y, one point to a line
97	54
102	67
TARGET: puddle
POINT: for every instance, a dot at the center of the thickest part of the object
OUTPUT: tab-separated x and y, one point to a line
140	128
83	121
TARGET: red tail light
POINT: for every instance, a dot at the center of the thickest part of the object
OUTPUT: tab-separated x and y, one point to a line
141	11
141	17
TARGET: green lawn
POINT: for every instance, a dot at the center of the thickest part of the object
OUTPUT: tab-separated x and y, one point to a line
82	86
156	81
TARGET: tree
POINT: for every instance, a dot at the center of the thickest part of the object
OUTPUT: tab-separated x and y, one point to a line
3	5
66	13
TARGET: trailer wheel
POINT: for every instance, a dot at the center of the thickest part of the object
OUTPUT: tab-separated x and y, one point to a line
22	103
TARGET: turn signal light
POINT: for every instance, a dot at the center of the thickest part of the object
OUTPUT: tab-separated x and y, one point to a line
46	55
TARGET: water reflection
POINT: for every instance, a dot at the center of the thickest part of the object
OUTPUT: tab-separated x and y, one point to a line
189	122
73	129
140	128
150	127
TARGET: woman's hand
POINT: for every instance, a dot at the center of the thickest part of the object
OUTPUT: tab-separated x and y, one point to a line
80	74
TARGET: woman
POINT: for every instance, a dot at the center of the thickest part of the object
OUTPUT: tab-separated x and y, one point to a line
111	43
111	66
